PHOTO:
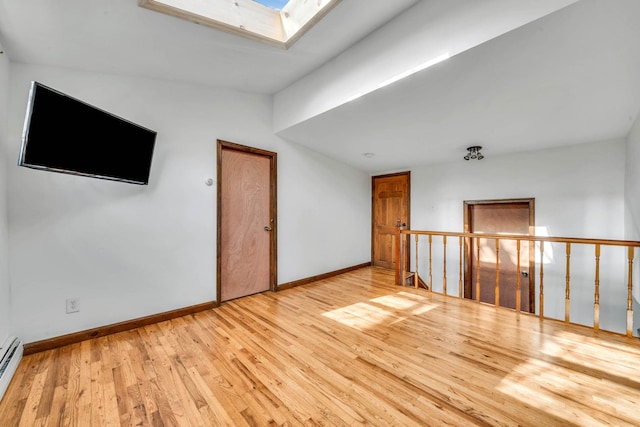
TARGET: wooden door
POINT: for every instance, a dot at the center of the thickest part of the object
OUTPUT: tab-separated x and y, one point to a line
246	221
390	207
496	217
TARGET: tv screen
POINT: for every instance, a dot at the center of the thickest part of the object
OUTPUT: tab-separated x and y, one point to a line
63	134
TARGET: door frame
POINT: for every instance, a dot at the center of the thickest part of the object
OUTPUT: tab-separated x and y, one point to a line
408	226
273	209
468	280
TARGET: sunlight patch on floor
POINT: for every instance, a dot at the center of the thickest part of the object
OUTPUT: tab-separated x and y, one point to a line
396	301
360	315
550	386
365	315
588	352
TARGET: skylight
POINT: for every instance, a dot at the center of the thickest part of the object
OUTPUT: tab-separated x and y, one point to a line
278	22
273	4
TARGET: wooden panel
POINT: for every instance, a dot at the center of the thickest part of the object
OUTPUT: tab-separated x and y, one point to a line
241	17
390	206
351	350
248	18
245	213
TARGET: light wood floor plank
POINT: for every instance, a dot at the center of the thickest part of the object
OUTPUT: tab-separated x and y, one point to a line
350	350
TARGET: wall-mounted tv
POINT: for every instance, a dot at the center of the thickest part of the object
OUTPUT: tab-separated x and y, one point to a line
64	134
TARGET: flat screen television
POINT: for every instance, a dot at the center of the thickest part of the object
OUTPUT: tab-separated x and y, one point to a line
64	134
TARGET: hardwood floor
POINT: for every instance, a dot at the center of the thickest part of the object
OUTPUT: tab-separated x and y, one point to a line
351	350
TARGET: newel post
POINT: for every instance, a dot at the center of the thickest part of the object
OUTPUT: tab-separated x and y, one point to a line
398	254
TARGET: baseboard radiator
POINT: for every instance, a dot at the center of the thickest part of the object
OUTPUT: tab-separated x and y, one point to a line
10	355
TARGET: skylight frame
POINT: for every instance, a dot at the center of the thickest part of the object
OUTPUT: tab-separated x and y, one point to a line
248	18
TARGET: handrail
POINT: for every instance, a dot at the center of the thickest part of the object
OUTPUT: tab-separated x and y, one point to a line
552	239
465	241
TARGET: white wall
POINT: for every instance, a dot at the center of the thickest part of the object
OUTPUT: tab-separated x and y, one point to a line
632	207
578	191
128	251
325	211
632	186
5	294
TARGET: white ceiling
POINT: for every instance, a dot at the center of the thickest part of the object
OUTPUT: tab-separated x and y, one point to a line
117	36
570	77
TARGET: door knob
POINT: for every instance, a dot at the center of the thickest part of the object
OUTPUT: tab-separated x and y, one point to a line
525	274
267	228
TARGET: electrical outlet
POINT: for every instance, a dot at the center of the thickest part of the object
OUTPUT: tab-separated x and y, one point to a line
73	305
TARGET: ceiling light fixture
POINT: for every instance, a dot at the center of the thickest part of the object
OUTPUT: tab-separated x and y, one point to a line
474	153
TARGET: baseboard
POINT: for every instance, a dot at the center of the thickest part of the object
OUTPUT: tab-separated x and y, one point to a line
76	337
10	355
312	279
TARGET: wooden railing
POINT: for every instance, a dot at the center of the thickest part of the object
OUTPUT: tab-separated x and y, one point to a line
468	242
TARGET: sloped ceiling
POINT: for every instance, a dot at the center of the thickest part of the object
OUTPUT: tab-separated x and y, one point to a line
569	77
117	36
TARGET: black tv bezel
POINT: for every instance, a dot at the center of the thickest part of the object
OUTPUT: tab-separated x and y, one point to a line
25	138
